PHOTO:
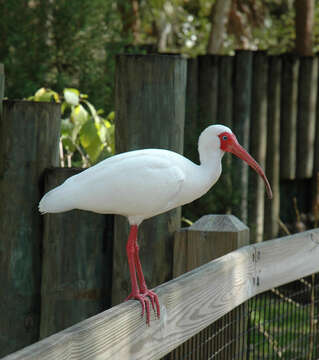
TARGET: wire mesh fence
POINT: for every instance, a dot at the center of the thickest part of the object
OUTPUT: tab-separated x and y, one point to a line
282	323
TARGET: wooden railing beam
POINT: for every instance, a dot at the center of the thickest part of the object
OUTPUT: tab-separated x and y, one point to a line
189	303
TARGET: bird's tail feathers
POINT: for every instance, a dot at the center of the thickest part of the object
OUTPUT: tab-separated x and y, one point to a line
55	201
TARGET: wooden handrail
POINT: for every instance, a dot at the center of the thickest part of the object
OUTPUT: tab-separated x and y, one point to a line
189	303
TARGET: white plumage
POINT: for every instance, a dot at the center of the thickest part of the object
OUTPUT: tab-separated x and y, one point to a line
138	184
144	183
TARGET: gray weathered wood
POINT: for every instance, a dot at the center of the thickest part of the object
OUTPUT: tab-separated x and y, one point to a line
258	144
225	90
192	128
150	112
289	100
210	237
315	176
241	126
208	90
76	263
272	206
189	303
29	136
307	97
225	117
2	80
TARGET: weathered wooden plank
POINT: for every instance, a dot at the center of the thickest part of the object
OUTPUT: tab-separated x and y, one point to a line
2	80
76	263
241	126
289	101
307	97
315	176
188	303
225	117
287	259
150	113
208	90
272	206
210	237
225	90
29	136
192	127
258	142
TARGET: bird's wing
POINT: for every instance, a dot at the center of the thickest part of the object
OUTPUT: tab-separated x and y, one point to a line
145	183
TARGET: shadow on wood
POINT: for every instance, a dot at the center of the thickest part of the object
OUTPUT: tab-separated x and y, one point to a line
76	264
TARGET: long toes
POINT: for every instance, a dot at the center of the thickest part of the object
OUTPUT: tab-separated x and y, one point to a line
142	301
154	299
157	307
148	315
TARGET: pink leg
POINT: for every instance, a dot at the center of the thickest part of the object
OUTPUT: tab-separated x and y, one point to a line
141	294
143	288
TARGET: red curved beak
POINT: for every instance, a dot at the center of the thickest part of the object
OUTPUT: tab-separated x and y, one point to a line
235	148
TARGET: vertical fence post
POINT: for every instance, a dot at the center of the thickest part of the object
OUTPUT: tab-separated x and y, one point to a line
258	143
208	238
29	136
315	173
208	89
307	97
76	263
288	124
225	117
241	125
150	111
273	147
2	79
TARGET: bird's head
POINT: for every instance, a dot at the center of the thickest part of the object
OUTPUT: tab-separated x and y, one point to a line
226	141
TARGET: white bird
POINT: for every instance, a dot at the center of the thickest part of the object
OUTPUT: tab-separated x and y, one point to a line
144	183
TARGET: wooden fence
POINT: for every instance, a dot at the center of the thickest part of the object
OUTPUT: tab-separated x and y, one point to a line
271	103
251	92
189	303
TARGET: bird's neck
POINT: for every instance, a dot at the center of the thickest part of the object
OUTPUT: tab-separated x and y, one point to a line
210	162
208	155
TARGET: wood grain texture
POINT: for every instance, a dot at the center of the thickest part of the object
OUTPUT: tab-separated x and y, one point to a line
289	105
208	90
258	144
76	263
150	113
29	136
307	97
210	237
2	80
272	206
189	303
241	125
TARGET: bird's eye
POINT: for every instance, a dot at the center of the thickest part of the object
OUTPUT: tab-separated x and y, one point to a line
225	137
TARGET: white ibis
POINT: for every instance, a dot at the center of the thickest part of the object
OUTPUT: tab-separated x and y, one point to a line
144	183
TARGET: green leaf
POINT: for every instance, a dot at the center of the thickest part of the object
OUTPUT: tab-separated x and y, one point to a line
79	116
92	111
68	144
46	95
66	127
91	141
71	96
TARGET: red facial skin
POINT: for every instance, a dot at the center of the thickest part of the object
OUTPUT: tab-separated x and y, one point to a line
229	143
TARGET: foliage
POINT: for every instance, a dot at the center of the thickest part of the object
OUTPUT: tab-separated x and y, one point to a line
72	43
86	136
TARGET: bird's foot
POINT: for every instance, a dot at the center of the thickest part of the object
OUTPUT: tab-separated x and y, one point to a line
145	298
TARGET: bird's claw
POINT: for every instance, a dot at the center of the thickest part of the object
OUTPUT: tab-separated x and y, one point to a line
145	298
